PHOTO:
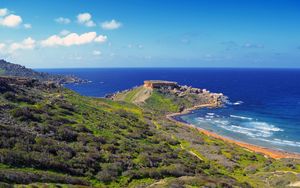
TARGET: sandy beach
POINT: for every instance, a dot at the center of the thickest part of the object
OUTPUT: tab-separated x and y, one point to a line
276	154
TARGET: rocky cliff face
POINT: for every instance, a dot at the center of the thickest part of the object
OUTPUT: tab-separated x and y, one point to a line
185	91
10	69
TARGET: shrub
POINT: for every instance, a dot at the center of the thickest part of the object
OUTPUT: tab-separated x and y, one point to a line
26	114
109	171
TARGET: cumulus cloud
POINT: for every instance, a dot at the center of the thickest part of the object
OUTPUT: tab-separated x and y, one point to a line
96	52
85	19
26	44
73	39
27	26
3	11
111	25
11	20
62	20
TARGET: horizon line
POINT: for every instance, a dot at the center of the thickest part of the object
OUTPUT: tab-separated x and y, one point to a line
167	68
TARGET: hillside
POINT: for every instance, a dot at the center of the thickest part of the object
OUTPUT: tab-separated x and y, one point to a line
49	134
10	69
165	99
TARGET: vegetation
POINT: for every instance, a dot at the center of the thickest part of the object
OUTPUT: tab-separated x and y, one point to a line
51	136
10	69
2	71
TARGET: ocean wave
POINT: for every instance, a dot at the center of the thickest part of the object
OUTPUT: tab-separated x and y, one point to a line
282	142
263	126
238	103
200	119
234	103
241	117
224	122
252	129
238	129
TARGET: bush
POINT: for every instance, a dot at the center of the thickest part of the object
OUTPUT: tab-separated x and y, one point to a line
66	134
20	177
26	114
109	171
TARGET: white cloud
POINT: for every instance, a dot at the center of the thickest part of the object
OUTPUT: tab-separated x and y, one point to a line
96	52
73	39
11	20
2	46
3	11
111	25
64	32
26	44
101	38
62	20
27	26
86	19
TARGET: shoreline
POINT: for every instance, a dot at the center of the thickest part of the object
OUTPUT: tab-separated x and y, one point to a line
275	154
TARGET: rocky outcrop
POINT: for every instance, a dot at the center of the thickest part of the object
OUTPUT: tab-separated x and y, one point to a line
188	91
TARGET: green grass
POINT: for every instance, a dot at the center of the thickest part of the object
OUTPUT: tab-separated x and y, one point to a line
160	104
129	97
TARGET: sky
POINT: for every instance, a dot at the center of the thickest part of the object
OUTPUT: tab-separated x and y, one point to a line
150	33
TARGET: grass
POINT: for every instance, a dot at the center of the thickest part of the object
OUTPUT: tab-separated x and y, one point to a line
158	104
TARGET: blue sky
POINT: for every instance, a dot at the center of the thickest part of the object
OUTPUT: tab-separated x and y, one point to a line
150	33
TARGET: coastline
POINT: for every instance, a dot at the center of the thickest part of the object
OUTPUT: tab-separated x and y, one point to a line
275	154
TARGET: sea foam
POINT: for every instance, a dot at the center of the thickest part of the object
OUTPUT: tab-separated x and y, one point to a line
241	117
282	142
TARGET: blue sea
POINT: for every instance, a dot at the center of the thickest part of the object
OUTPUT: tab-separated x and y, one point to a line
264	107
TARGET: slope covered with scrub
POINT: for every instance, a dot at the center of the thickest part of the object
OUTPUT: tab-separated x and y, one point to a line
51	136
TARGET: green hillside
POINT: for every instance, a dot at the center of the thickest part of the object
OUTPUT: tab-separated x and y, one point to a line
53	137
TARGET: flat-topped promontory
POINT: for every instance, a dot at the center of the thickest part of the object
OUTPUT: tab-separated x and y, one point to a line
159	83
182	95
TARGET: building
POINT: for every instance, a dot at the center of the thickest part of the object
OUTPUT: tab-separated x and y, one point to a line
159	83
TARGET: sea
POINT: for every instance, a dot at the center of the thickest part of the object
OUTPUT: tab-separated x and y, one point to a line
263	107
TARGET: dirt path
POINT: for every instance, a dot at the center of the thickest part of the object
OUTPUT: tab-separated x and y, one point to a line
295	184
142	95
